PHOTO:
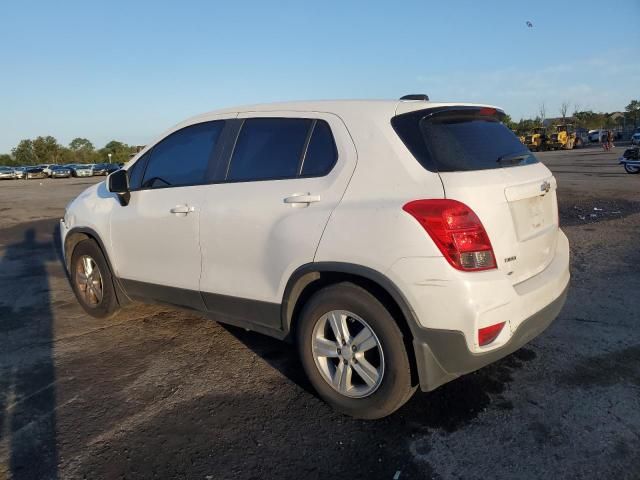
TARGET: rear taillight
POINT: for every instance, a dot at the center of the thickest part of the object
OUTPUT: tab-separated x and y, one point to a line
487	335
456	230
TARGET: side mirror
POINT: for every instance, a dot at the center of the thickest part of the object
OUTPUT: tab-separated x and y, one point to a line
119	184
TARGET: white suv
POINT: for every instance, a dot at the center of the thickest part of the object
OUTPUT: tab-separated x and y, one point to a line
398	243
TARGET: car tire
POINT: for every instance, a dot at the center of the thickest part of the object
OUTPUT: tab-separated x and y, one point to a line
95	293
631	169
386	363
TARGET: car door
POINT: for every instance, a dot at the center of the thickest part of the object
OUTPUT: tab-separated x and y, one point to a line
155	238
285	176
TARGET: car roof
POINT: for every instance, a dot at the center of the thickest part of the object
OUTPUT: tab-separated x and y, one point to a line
387	108
375	110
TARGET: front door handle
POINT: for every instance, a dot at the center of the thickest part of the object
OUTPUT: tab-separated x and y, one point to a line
305	198
182	209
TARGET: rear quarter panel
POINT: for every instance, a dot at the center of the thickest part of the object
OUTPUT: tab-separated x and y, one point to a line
369	227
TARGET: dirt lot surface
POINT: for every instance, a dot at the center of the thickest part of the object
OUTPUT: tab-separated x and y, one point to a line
163	393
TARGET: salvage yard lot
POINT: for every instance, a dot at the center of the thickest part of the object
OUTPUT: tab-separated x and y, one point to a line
161	393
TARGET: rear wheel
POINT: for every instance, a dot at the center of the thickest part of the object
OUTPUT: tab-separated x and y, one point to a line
91	280
354	353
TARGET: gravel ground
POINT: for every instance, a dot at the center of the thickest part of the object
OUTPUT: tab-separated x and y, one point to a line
163	393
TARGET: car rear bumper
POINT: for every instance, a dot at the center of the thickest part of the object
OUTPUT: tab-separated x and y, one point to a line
442	355
450	307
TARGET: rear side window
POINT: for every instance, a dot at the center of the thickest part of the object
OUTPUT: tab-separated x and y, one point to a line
453	140
321	152
269	149
183	157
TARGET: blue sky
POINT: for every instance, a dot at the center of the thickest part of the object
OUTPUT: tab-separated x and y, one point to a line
129	70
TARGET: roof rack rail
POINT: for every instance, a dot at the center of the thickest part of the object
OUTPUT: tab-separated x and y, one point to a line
416	96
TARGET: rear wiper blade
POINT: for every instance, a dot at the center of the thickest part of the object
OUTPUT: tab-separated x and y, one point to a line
513	159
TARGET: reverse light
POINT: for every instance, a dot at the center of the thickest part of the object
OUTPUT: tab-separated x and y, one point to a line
456	230
487	335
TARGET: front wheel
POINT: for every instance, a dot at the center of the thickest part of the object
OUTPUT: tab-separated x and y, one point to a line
91	280
354	352
631	168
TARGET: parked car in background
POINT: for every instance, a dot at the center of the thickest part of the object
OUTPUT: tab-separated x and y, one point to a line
582	137
391	257
79	170
35	172
98	169
7	173
19	171
46	168
635	139
111	167
60	171
594	135
104	168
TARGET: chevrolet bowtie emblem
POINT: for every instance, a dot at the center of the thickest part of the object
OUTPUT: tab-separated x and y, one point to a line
545	187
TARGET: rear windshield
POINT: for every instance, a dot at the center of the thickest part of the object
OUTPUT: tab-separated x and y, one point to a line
461	139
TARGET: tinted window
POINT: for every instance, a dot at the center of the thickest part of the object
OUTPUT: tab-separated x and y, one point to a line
183	157
321	153
460	140
269	148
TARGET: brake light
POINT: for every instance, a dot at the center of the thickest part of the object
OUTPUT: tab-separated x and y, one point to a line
487	111
487	335
457	231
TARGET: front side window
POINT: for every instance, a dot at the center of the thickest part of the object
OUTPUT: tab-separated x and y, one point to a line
269	149
183	157
136	171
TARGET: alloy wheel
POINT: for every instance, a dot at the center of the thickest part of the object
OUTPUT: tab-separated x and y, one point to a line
89	280
348	354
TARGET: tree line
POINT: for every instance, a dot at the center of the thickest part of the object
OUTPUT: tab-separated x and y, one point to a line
47	150
580	118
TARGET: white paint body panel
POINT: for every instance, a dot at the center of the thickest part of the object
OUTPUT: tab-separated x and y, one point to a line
151	244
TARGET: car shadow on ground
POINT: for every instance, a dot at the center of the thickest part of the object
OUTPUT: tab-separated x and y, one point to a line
449	407
27	370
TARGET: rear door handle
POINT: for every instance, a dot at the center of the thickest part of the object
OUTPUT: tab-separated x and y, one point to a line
302	198
184	209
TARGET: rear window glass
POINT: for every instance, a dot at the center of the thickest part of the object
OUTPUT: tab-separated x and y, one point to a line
269	149
454	140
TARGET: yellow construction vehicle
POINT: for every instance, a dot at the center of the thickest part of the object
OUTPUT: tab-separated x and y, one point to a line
564	137
537	140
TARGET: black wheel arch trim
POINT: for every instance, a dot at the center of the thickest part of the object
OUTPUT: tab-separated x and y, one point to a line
306	274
